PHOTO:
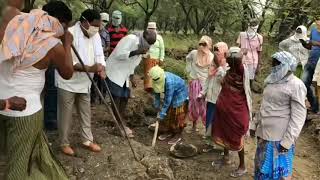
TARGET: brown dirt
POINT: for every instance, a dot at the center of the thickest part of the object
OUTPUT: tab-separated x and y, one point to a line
116	160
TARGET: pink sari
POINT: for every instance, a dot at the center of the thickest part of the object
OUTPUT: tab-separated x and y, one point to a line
197	107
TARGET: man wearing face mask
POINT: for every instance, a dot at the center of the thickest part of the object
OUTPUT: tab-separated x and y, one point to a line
116	30
294	46
250	43
76	91
121	65
104	33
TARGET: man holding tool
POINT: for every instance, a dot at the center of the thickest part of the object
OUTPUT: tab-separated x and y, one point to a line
76	91
121	65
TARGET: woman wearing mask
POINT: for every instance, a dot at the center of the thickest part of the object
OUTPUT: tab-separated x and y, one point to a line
250	43
294	46
198	63
174	109
281	118
212	87
233	111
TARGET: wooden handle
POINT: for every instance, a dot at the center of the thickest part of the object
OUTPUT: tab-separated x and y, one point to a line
154	140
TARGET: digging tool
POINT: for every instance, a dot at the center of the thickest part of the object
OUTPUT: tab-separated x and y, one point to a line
120	125
155	134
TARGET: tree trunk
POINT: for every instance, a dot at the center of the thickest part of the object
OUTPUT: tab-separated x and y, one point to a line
146	20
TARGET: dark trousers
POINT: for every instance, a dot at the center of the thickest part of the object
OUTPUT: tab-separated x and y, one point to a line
307	77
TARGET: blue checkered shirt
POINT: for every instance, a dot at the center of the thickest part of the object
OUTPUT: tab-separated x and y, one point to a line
176	93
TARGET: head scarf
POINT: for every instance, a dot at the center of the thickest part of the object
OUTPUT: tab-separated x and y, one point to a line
104	18
222	50
279	72
303	35
116	18
158	77
204	54
29	37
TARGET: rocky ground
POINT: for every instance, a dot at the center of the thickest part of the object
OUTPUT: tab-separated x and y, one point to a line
117	162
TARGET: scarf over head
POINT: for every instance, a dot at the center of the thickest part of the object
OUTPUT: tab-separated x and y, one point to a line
221	53
204	54
303	35
29	37
116	18
279	72
158	77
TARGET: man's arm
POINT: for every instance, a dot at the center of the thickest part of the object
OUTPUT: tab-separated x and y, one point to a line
61	57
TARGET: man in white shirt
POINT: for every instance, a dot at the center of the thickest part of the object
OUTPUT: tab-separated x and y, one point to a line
122	63
76	91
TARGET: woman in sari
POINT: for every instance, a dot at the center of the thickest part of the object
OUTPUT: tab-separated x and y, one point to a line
198	63
174	109
233	111
212	88
281	118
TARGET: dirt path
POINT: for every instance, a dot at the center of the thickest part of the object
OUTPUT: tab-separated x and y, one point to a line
306	165
117	163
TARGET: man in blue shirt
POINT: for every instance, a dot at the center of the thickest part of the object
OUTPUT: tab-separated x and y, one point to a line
314	46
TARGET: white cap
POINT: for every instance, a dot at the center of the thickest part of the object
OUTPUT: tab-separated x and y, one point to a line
104	16
152	25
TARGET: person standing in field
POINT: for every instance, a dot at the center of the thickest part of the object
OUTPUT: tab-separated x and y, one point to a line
233	111
198	63
250	43
309	70
212	87
294	46
281	118
155	56
75	92
30	43
116	30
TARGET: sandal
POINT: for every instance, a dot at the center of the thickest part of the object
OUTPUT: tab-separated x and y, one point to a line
238	173
163	137
174	141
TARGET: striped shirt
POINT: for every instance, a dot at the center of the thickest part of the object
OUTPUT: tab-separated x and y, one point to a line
116	36
176	93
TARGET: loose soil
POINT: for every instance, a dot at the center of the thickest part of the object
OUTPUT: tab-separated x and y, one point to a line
117	162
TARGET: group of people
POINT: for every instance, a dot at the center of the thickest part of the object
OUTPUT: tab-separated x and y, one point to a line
217	92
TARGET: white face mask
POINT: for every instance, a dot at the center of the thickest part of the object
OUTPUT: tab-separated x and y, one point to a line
254	28
92	29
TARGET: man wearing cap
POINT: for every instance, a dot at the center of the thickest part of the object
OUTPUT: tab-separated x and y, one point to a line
154	57
116	30
104	33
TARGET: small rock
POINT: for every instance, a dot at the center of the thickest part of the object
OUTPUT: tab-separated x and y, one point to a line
81	170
